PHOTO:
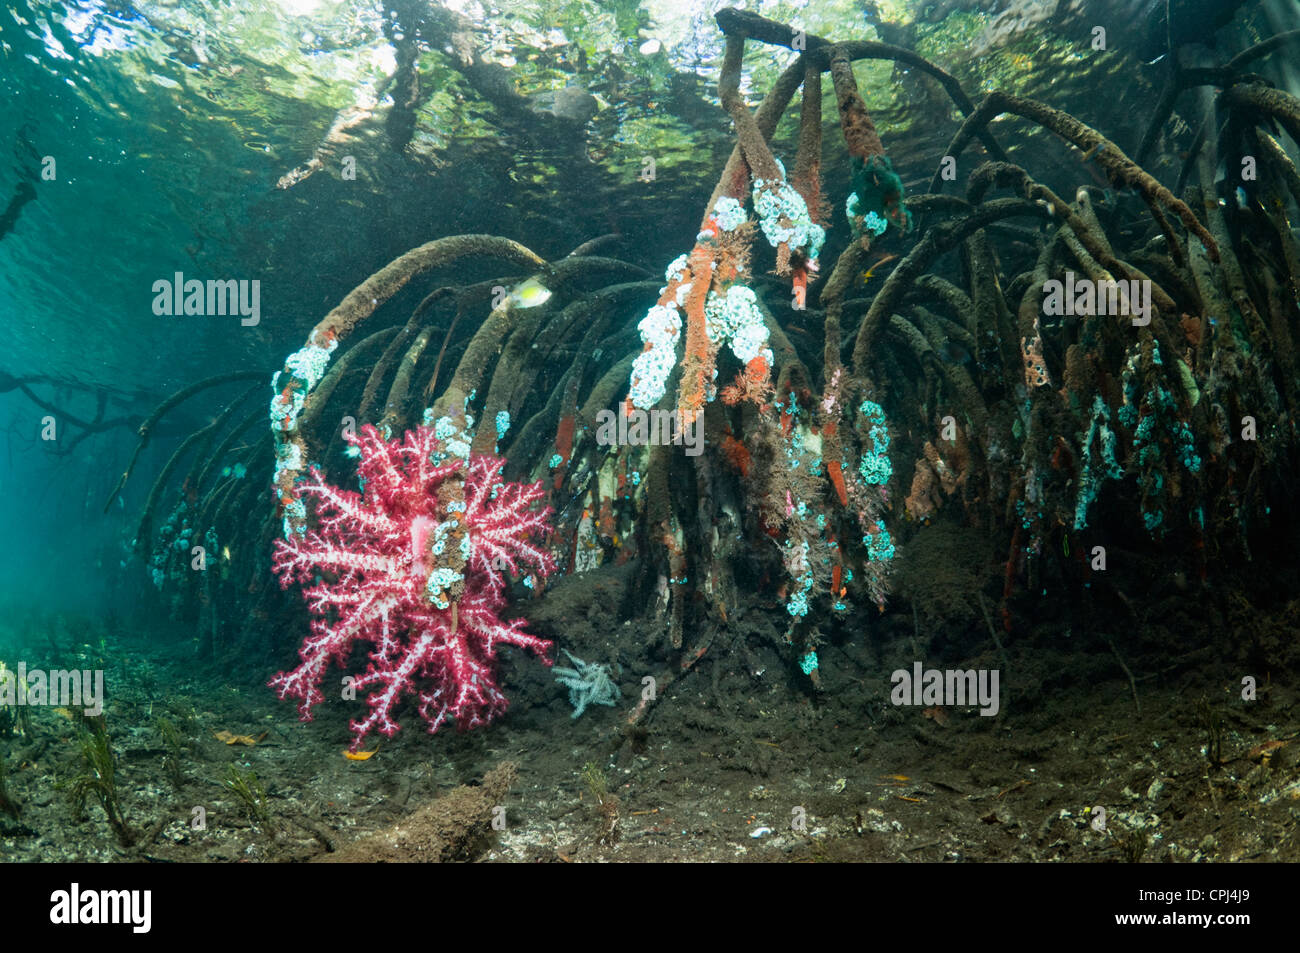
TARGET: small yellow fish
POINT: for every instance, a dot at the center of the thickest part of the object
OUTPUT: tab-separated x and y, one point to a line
358	755
530	294
866	275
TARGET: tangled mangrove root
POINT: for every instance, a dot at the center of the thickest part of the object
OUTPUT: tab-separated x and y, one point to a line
1053	366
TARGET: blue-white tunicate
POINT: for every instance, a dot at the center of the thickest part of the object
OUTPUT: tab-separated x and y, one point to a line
295	518
751	342
872	224
310	362
659	329
735	317
440	580
676	268
776	200
729	213
875	224
285	408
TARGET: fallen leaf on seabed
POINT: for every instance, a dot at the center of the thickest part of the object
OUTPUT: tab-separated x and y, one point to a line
1263	752
232	739
937	715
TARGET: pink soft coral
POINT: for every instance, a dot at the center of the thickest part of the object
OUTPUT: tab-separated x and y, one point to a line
372	560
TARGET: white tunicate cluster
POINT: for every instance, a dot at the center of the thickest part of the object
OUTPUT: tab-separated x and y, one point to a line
307	365
455	440
676	268
440	532
872	223
310	362
295	518
285	408
289	457
729	213
440	580
751	342
776	200
736	318
659	329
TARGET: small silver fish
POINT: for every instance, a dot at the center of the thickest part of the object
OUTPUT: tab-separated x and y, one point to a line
530	294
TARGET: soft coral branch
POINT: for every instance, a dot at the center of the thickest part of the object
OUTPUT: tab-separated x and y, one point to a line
382	551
